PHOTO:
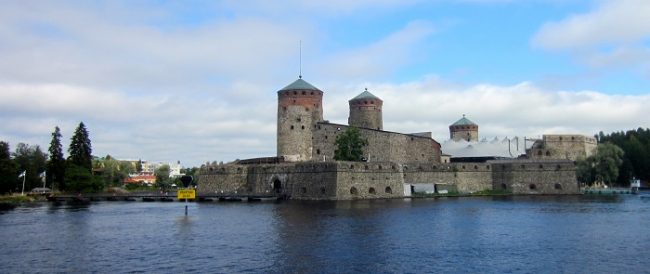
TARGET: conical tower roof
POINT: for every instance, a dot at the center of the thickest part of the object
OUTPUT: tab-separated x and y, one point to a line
365	95
464	122
300	84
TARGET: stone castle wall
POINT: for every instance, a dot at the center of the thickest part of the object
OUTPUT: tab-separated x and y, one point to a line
570	147
467	177
372	180
535	176
383	146
358	180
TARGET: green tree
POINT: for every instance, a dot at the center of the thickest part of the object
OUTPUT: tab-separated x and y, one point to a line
349	145
8	169
56	163
162	177
79	179
32	160
603	166
80	148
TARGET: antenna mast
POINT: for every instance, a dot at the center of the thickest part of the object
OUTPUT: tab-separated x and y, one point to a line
300	75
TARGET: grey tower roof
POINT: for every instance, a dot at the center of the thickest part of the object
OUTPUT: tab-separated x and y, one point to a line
365	95
300	84
464	122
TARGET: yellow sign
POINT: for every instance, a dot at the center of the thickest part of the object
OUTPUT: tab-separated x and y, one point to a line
186	194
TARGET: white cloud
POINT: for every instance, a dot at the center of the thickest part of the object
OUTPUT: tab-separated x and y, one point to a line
611	23
613	34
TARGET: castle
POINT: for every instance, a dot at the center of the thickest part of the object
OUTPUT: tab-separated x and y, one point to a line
394	163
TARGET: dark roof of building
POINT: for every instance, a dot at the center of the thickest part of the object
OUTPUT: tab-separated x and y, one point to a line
365	95
464	122
300	84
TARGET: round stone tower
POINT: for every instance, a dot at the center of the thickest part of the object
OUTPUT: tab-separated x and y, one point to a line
365	111
464	129
300	107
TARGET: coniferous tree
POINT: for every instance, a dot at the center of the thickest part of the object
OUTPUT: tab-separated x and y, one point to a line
8	169
80	148
56	164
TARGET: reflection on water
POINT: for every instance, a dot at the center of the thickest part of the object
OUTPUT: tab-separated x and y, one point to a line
550	234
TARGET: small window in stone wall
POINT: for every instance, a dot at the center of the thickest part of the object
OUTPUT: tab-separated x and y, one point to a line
539	153
558	186
284	108
558	167
487	167
371	190
379	167
291	127
504	186
366	166
351	166
392	167
532	187
312	93
541	166
325	137
338	129
302	127
435	167
295	93
475	167
318	151
548	153
303	190
298	120
463	167
354	191
306	109
304	93
388	190
322	191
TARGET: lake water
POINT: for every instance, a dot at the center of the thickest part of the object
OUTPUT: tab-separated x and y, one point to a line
556	234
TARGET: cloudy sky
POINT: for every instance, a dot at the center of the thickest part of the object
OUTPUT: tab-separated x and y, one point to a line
196	81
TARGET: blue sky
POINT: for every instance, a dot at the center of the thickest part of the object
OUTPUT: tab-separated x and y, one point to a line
195	81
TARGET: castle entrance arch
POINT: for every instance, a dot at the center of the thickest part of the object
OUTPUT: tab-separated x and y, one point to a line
277	186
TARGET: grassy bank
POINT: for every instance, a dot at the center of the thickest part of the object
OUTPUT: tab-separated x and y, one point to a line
12	201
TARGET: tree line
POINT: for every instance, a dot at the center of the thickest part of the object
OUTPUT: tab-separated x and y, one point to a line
79	172
29	164
635	145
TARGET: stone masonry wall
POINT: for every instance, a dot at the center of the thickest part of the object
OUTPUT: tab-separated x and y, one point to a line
467	177
535	176
383	146
570	147
373	180
358	180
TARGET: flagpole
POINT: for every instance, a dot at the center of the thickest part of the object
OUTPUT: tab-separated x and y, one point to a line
22	193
